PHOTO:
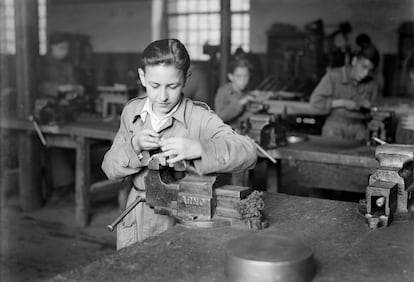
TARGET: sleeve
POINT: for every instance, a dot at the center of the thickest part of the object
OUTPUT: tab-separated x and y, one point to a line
223	150
226	108
322	96
121	160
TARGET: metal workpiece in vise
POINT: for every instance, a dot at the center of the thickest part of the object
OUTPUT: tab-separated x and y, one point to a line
390	189
381	125
263	127
193	199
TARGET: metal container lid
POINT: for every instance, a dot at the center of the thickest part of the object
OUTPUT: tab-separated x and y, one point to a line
268	257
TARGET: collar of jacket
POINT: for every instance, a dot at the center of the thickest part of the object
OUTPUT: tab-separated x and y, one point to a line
178	115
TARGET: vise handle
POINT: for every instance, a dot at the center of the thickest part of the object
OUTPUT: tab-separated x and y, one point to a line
112	226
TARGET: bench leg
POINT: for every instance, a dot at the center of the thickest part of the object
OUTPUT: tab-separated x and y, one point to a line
82	181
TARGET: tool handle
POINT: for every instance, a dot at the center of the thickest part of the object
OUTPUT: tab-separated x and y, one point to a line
263	151
38	131
112	226
380	141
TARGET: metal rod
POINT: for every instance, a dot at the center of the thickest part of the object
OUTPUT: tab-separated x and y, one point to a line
112	226
263	151
38	131
380	141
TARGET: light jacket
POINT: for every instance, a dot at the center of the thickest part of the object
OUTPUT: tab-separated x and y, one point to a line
223	150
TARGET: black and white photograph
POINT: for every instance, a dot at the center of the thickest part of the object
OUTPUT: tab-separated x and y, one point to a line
207	140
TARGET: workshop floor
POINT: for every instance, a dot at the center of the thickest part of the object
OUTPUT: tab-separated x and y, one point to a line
38	245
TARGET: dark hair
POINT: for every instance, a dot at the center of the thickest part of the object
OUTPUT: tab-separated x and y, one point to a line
170	52
58	38
363	40
239	62
369	52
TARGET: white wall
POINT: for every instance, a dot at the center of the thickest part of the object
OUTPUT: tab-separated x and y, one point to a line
378	18
113	27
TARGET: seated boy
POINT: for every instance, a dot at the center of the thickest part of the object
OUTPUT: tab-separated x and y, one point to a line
176	126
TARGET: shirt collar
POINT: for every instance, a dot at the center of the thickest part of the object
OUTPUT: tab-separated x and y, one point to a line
178	112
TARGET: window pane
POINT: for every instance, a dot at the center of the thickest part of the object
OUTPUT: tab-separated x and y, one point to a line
182	6
235	5
203	6
192	6
197	22
245	5
181	35
214	5
236	21
214	21
203	21
214	37
240	5
192	37
192	23
172	6
172	23
182	22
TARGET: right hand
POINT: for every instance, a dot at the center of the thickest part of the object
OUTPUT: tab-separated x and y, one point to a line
246	99
146	140
66	88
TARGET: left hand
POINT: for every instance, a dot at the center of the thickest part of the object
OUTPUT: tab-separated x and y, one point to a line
180	148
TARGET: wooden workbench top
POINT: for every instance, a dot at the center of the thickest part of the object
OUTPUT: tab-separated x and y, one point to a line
344	247
328	150
94	128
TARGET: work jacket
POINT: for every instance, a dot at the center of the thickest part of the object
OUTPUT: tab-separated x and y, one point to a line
223	150
227	104
340	122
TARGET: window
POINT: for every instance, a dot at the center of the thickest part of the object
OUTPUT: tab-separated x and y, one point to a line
7	27
197	22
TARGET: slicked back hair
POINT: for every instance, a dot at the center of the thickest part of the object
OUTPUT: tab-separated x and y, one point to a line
169	52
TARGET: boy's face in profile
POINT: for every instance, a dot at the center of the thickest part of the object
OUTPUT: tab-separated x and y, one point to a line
239	78
164	84
362	68
60	50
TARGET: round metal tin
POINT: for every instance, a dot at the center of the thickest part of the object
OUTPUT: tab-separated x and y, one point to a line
268	258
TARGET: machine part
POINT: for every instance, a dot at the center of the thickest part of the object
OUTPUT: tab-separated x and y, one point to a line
389	193
192	199
197	223
296	138
382	126
112	226
268	257
381	203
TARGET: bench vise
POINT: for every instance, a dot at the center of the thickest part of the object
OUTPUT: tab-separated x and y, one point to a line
264	128
389	193
191	198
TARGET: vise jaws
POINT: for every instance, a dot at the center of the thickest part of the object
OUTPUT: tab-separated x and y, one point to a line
191	198
389	193
264	128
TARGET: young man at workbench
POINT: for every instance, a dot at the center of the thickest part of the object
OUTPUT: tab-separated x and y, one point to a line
168	123
344	92
231	99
